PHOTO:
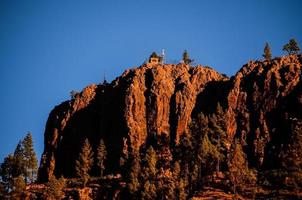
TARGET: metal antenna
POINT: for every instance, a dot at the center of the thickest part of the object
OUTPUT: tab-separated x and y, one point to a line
163	55
104	81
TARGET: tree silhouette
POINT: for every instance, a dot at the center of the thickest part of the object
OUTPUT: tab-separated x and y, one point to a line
291	47
267	54
186	58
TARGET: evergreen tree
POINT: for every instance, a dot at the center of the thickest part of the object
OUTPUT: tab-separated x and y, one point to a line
85	162
218	135
18	187
55	188
170	190
186	58
291	155
101	156
181	193
133	180
207	155
185	174
239	173
291	47
185	148
2	190
194	177
149	168
19	167
148	191
6	172
176	171
30	158
267	52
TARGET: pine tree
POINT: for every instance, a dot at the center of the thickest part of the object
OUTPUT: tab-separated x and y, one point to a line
149	167
239	173
2	190
181	193
176	171
185	148
55	188
291	155
267	52
19	166
291	47
186	58
170	190
218	134
101	156
30	158
6	172
18	186
85	162
133	182
148	191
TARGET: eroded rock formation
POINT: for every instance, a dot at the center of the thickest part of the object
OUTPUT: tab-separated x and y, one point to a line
260	102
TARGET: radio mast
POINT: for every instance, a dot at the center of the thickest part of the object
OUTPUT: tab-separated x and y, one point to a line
163	56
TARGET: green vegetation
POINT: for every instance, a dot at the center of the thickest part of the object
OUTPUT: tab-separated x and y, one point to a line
18	169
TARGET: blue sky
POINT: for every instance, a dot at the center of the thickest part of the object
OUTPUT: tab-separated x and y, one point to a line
48	48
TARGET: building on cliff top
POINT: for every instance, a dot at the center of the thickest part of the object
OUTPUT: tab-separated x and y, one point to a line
155	59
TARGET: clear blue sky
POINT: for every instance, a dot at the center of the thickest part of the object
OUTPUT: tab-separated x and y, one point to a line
48	48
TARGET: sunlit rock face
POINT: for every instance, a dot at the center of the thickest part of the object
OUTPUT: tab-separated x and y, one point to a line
260	102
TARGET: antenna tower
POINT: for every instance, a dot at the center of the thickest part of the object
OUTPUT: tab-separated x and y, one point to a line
163	56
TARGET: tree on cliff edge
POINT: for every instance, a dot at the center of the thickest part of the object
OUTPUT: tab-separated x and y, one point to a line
186	58
291	47
267	54
85	162
101	156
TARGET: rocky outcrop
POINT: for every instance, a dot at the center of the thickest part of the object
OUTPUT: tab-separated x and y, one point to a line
263	100
260	102
146	101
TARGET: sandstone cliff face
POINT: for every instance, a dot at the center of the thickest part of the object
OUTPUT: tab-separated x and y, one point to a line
142	102
261	101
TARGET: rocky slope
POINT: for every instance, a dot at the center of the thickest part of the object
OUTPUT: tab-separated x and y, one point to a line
261	100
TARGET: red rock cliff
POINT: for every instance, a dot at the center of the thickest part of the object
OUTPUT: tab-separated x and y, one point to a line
260	100
143	101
